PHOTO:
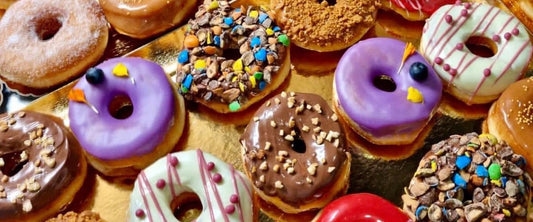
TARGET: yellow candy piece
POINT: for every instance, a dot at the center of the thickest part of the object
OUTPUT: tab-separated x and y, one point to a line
252	81
506	212
199	64
234	79
241	86
237	65
490	137
120	70
208	38
254	14
213	5
414	95
496	182
433	165
269	32
247	69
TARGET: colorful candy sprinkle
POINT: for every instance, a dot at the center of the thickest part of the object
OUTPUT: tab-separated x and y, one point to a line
261	55
210	166
283	39
217	177
262	85
191	41
254	14
183	57
237	65
216	40
481	171
139	213
495	171
276	29
199	64
229	209
120	70
187	81
459	181
253	82
269	32
234	198
213	5
462	161
413	95
262	17
228	20
419	211
256	41
234	106
160	184
174	161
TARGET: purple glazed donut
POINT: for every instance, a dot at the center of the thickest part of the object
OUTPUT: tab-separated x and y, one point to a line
130	109
383	101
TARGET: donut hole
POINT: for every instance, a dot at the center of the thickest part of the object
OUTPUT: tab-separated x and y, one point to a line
384	83
121	107
329	2
13	163
298	145
481	46
186	207
47	27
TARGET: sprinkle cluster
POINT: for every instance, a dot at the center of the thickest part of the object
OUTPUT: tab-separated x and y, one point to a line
476	178
211	69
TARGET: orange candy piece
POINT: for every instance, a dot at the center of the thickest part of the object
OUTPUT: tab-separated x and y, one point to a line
191	41
210	50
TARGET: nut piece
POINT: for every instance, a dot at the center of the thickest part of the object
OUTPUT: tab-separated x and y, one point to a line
290	170
331	169
263	166
262	178
27	206
314	121
289	138
334	117
278	184
312	169
267	146
305	128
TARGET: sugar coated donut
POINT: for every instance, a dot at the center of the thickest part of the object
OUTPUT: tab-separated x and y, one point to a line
523	9
212	73
294	153
225	193
42	166
85	216
46	42
511	118
385	91
415	10
469	178
126	115
319	26
472	78
145	18
361	207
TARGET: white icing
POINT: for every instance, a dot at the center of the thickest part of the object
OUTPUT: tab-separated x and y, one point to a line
440	39
191	175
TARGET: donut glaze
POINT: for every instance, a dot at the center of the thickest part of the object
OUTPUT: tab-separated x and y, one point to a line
469	77
225	193
361	207
39	153
377	112
421	6
295	152
152	97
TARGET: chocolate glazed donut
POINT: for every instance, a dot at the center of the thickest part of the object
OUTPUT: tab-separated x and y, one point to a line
294	152
41	165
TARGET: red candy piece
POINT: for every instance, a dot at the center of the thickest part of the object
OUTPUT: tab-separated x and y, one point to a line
361	207
425	6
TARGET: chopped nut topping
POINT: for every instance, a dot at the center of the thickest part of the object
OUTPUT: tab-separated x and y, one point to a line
26	206
293	133
312	169
3	194
33	186
272	123
283	153
33	135
2	163
323	161
315	121
292	123
21	114
334	117
305	128
40	126
300	109
280	158
336	143
39	133
267	146
50	162
3	128
331	169
276	168
262	178
11	121
309	181
319	140
256	118
317	108
23	156
276	100
283	94
38	170
309	107
37	162
2	188
290	104
268	103
45	152
27	142
290	170
21	187
317	129
263	166
278	184
289	138
254	169
292	94
281	132
323	134
286	166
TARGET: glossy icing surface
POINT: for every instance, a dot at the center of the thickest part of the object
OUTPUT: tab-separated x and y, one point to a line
425	6
296	165
110	138
225	193
39	154
443	44
380	112
361	207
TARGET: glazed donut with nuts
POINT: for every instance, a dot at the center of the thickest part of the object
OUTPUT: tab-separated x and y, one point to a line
470	177
232	57
294	153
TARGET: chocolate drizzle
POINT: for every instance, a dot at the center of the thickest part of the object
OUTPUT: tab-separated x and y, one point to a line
276	166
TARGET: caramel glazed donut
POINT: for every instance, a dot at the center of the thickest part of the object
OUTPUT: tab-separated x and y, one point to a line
294	153
322	27
208	74
42	166
469	178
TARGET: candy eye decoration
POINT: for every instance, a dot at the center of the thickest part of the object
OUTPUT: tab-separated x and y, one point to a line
94	75
418	71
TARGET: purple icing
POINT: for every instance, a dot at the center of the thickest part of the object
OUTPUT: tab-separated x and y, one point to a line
378	112
108	138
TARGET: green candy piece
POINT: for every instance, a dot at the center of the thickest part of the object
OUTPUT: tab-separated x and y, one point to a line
234	106
258	75
184	89
495	171
284	40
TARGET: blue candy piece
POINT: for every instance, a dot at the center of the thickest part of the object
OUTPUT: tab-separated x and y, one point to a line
521	162
462	161
481	171
187	81
521	186
261	55
419	211
228	20
262	85
256	41
216	40
262	17
459	181
276	29
504	181
486	181
183	57
238	10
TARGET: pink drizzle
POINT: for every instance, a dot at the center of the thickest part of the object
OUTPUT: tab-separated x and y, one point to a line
152	195
206	178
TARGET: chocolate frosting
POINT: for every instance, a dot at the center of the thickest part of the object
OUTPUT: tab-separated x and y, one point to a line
326	152
16	133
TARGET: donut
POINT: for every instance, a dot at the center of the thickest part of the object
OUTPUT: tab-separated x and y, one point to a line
225	193
211	72
45	43
392	25
323	26
71	216
126	115
143	19
510	118
361	207
414	10
477	49
41	166
385	97
294	153
469	177
523	10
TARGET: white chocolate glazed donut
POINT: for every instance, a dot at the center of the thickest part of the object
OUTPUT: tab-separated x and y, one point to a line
472	78
224	192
